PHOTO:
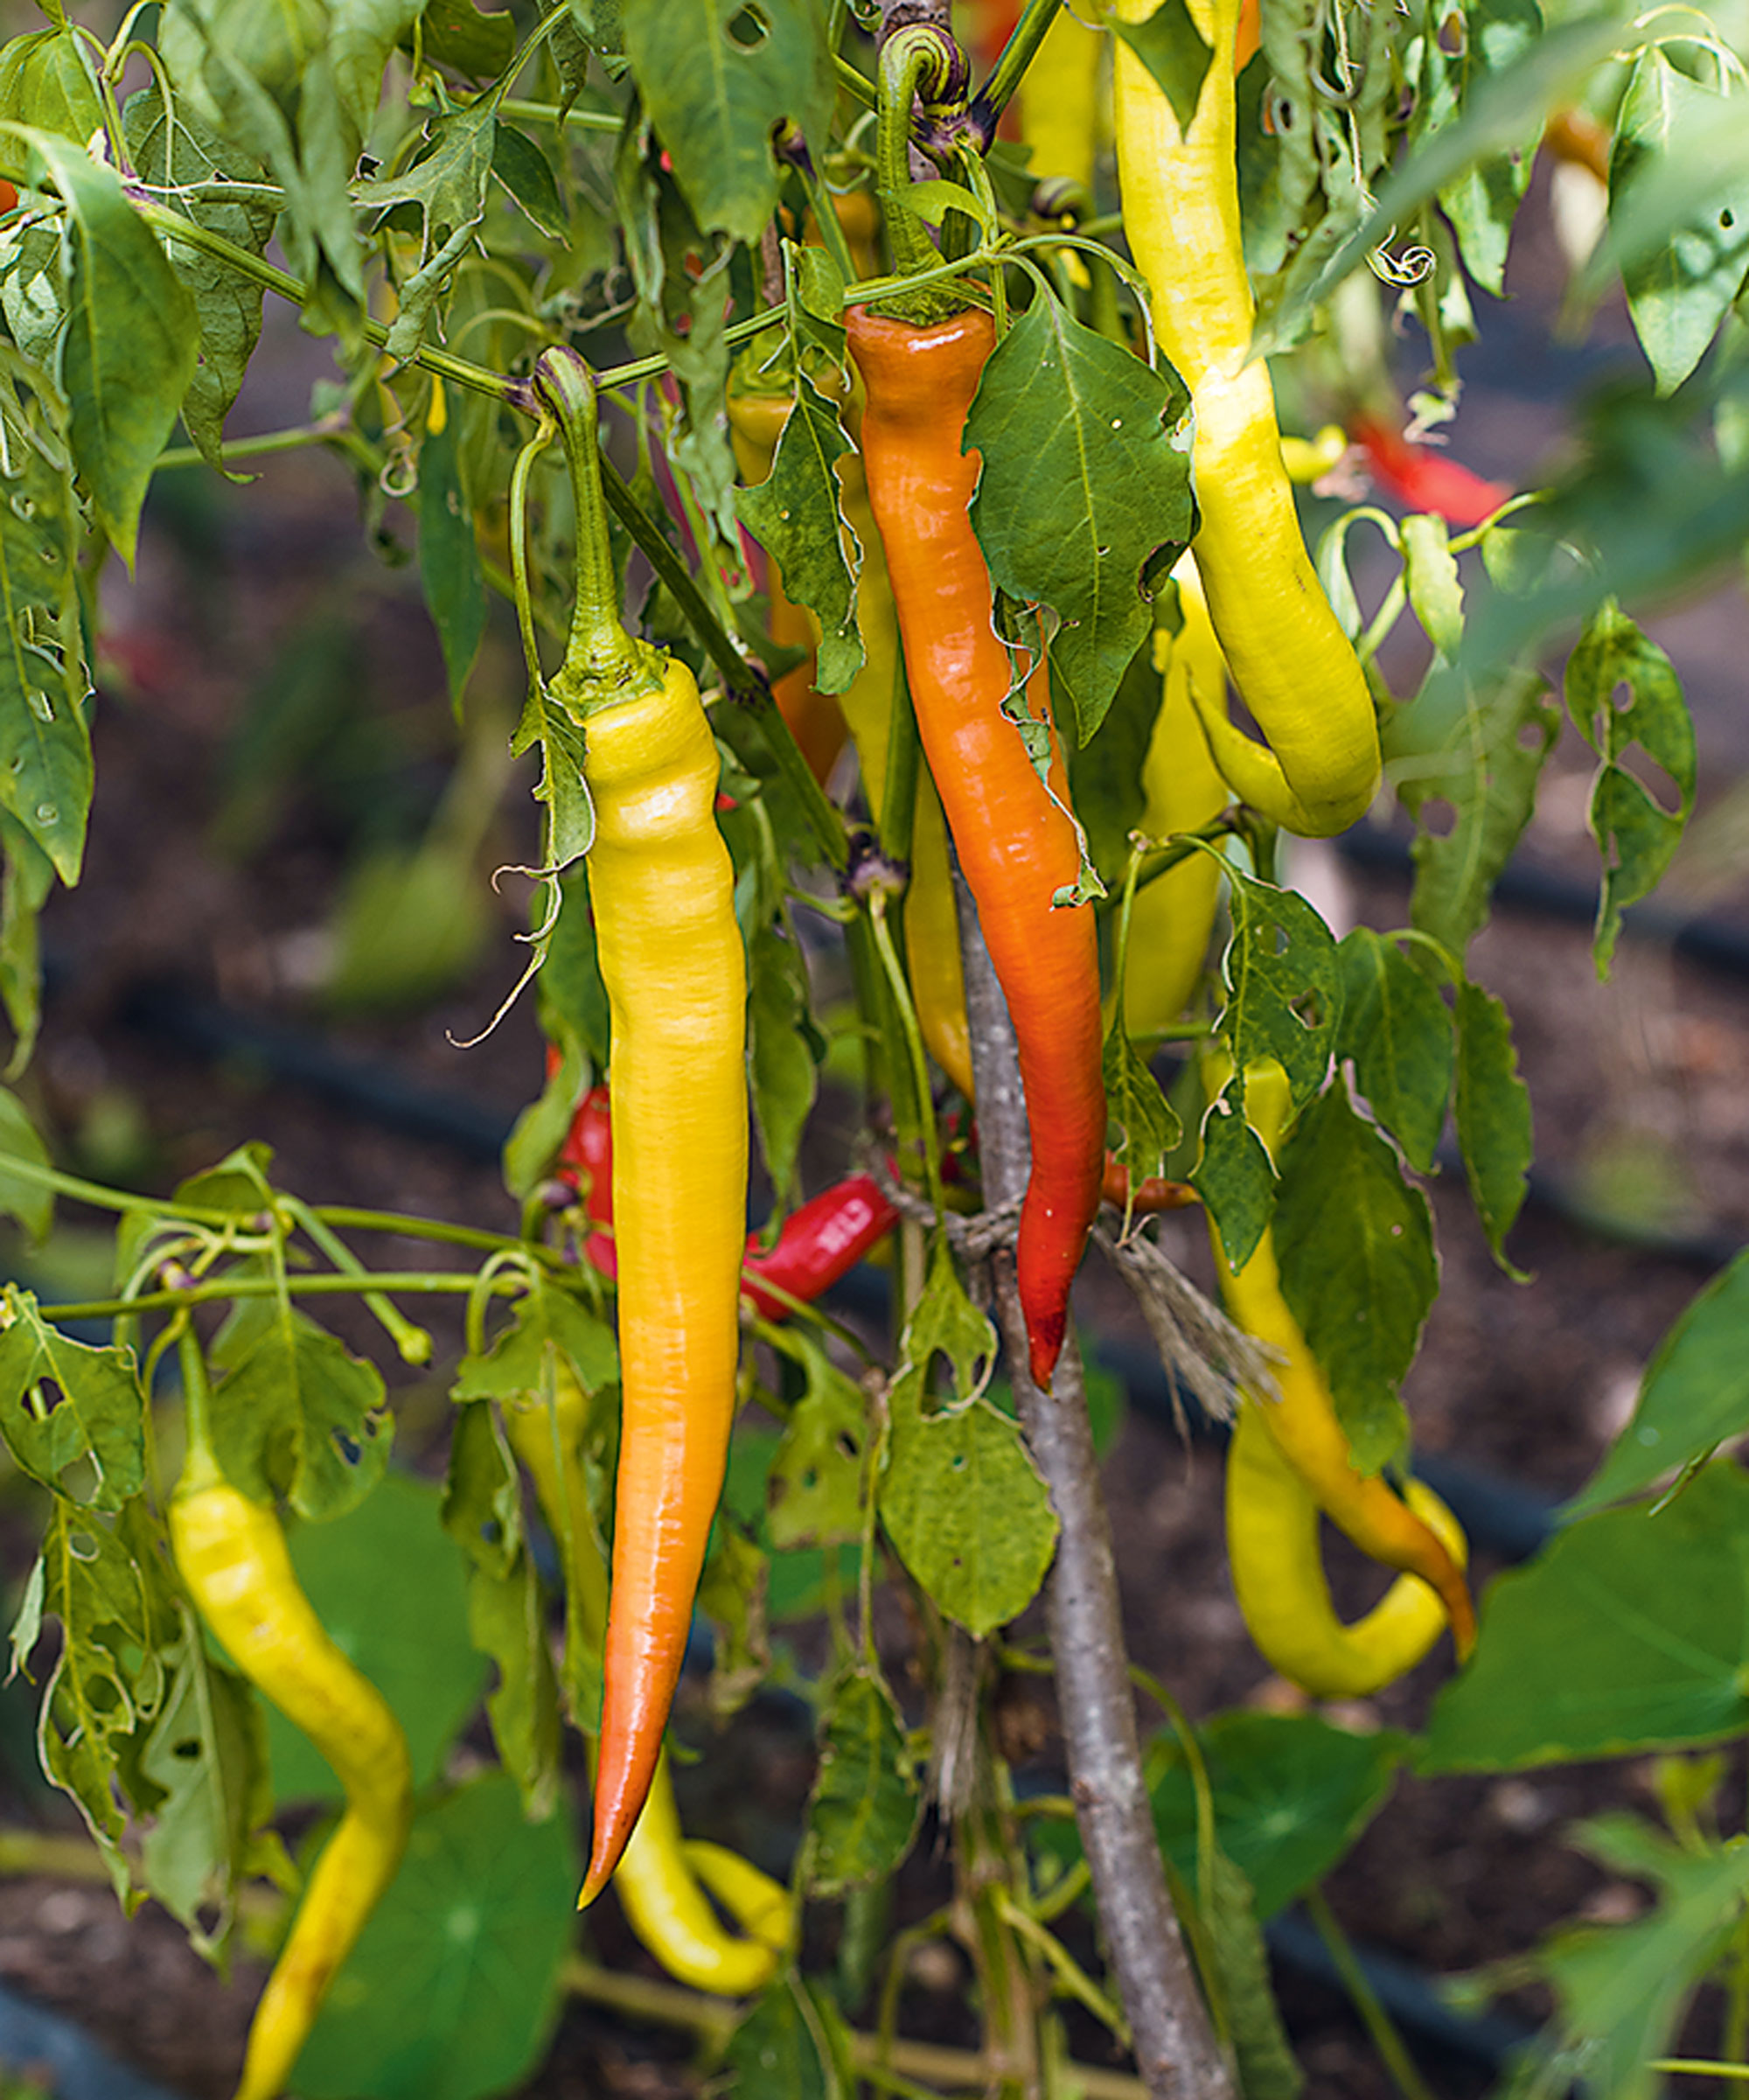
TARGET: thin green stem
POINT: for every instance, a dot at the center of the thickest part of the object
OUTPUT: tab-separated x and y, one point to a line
1378	2023
1012	62
901	995
550	113
602	658
432	1282
856	85
331	431
825	217
521	591
200	1466
349	1219
1163	859
43	1177
414	1342
895	820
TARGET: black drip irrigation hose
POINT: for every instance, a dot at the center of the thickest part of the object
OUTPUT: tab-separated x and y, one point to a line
35	2041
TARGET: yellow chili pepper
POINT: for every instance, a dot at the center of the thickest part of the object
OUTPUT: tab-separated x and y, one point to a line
659	1877
1303	1423
675	971
1277	1567
1171	918
231	1554
1289	658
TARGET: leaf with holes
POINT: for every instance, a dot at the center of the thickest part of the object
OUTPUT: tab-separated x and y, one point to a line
815	1489
965	1508
297	1413
794	515
1283	983
1680	291
1493	1115
1083	493
1398	1031
718	78
1355	1245
64	1404
866	1803
1635	834
1234	1177
449	188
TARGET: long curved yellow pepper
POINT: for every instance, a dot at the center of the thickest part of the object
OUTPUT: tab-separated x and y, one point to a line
1182	789
1288	656
672	960
1302	1423
662	1877
1059	103
1277	1567
231	1554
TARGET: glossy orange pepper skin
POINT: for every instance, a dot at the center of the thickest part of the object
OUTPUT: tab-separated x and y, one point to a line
1016	846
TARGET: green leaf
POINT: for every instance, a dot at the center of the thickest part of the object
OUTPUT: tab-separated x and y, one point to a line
24	890
1143	1124
1492	1114
46	769
459	33
449	188
132	340
1171	48
409	1636
205	1757
527	173
28	1200
1622	1988
107	1585
732	1596
569	827
1283	983
1105	774
46	82
1485	772
1694	1394
507	1621
716	80
1264	2058
863	1813
573	999
782	1067
1429	574
1291	1794
228	304
64	1403
1482	202
1361	1293
448	562
483	1494
1629	1632
1398	1031
815	1488
794	515
965	1509
1085	490
1678	293
781	2050
1234	1177
298	1413
1635	835
550	1326
453	1989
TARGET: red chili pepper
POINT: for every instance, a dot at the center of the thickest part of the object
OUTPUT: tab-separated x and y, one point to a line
1424	477
817	1246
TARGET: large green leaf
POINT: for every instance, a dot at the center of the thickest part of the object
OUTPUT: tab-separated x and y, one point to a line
1635	834
1629	1632
1492	1114
297	1413
448	187
814	1494
47	82
1291	1794
1694	1394
866	1802
716	78
409	1636
1356	1243
454	1986
1283	983
1085	488
133	337
229	304
66	1405
1398	1031
1679	292
1622	1988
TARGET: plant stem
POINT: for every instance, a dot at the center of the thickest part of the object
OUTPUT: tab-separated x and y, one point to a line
1012	62
1175	2046
713	2021
549	113
1385	2039
345	1219
425	1281
1164	858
